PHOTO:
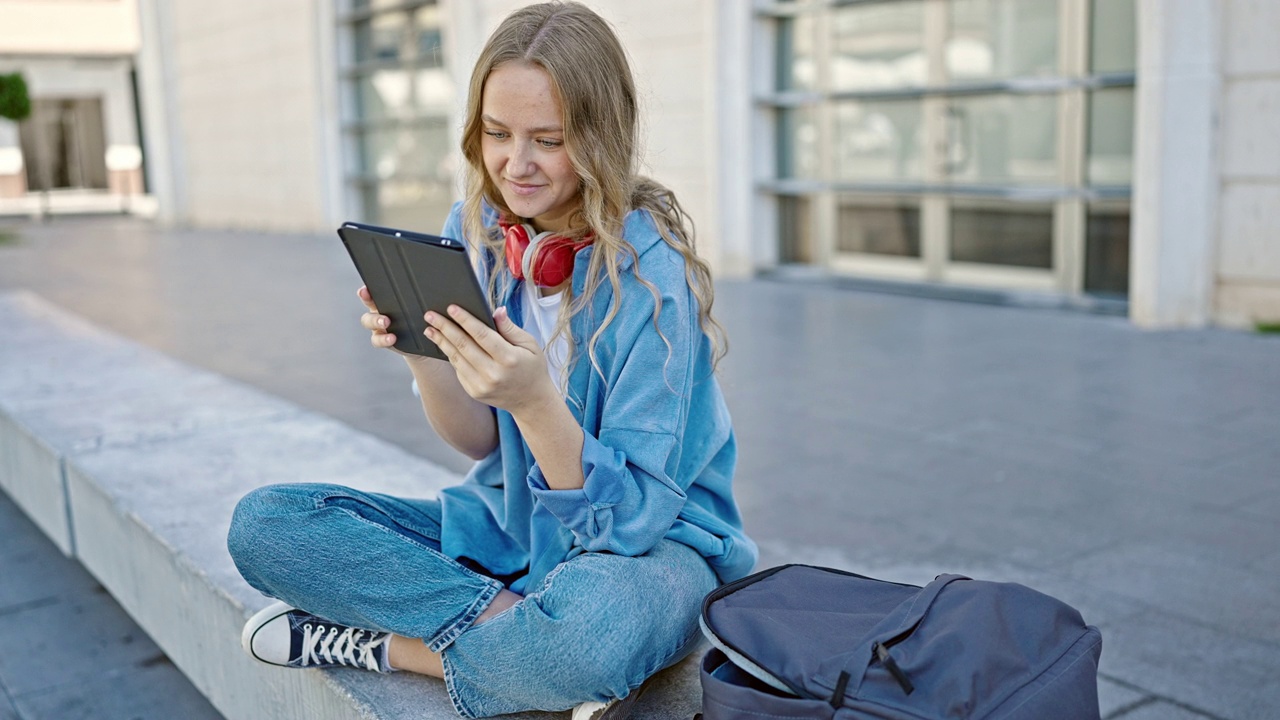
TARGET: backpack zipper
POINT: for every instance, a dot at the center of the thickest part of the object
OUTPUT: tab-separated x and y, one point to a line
881	653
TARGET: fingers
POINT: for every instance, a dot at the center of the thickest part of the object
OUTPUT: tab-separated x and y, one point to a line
376	323
487	356
484	336
366	298
450	348
502	346
512	332
493	367
452	339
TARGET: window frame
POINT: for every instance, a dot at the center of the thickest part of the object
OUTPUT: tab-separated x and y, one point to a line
353	127
1070	195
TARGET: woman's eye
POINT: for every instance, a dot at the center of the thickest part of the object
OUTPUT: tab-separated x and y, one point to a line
550	143
496	134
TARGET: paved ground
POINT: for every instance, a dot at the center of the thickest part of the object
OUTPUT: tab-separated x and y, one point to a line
71	652
1134	474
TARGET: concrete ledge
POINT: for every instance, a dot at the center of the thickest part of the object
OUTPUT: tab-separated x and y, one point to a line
79	202
133	463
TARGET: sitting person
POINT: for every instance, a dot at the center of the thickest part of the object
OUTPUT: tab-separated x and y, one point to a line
570	564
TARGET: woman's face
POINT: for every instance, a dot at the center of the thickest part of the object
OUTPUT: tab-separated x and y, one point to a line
523	146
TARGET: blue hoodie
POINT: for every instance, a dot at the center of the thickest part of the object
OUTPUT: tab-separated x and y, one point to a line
658	450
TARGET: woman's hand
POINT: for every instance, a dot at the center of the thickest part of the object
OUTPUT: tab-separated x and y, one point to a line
376	323
505	369
458	418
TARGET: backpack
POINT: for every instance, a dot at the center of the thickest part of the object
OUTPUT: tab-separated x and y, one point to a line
798	641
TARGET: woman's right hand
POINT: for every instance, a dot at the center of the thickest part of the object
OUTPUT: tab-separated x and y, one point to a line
462	421
375	322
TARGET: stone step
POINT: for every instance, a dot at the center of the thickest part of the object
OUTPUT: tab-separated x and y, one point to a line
132	463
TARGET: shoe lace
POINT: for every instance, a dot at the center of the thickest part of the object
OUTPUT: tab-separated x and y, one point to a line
343	646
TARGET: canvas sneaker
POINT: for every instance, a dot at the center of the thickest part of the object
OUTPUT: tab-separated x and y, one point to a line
281	634
613	710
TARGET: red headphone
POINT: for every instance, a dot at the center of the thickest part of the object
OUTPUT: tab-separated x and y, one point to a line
545	258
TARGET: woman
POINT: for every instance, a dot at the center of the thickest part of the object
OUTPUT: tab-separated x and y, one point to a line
570	564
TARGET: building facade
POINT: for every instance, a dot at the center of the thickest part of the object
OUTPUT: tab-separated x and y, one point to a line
80	149
1089	151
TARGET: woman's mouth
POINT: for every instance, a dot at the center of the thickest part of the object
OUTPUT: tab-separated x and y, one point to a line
523	189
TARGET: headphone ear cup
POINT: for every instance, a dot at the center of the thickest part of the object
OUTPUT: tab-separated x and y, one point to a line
516	248
553	262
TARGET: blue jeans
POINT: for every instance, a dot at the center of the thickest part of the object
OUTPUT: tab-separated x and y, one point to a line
594	629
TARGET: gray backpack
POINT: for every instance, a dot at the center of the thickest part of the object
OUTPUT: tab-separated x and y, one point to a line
806	642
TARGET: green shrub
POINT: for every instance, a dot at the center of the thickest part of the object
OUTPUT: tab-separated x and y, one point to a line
15	103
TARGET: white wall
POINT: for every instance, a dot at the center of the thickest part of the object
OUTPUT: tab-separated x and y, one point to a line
244	90
1206	229
1248	232
1175	163
69	27
235	89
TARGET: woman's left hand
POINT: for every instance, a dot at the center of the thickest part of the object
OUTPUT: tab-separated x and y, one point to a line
505	369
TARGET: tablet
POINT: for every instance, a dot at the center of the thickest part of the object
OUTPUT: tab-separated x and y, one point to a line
409	273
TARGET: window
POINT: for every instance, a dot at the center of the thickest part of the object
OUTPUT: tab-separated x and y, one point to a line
976	142
399	99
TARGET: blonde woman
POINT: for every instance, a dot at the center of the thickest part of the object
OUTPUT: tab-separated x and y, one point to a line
569	565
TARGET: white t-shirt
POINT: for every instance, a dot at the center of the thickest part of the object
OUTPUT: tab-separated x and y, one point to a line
541	312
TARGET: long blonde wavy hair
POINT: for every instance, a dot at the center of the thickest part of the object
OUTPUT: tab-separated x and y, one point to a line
592	80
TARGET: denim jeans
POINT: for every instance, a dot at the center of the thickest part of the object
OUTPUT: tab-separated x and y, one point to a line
595	628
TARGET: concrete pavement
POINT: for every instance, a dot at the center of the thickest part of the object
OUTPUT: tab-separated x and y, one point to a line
73	653
1134	474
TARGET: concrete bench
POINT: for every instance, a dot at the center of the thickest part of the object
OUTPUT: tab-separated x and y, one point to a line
132	463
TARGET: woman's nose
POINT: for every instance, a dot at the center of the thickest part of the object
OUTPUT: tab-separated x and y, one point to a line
520	164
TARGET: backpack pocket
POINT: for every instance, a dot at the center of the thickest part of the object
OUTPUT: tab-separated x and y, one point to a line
730	693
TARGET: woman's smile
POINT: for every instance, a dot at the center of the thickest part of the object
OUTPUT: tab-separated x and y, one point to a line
524	189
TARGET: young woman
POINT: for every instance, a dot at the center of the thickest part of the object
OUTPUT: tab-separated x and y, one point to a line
569	565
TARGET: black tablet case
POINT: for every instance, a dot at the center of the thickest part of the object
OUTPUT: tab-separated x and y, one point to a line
409	273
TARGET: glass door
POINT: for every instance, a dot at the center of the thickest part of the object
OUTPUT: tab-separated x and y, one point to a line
64	143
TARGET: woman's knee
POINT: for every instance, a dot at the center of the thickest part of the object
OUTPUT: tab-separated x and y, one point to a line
639	612
668	583
265	517
528	658
603	623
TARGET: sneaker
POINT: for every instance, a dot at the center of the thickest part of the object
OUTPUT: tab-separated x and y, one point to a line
280	634
618	709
